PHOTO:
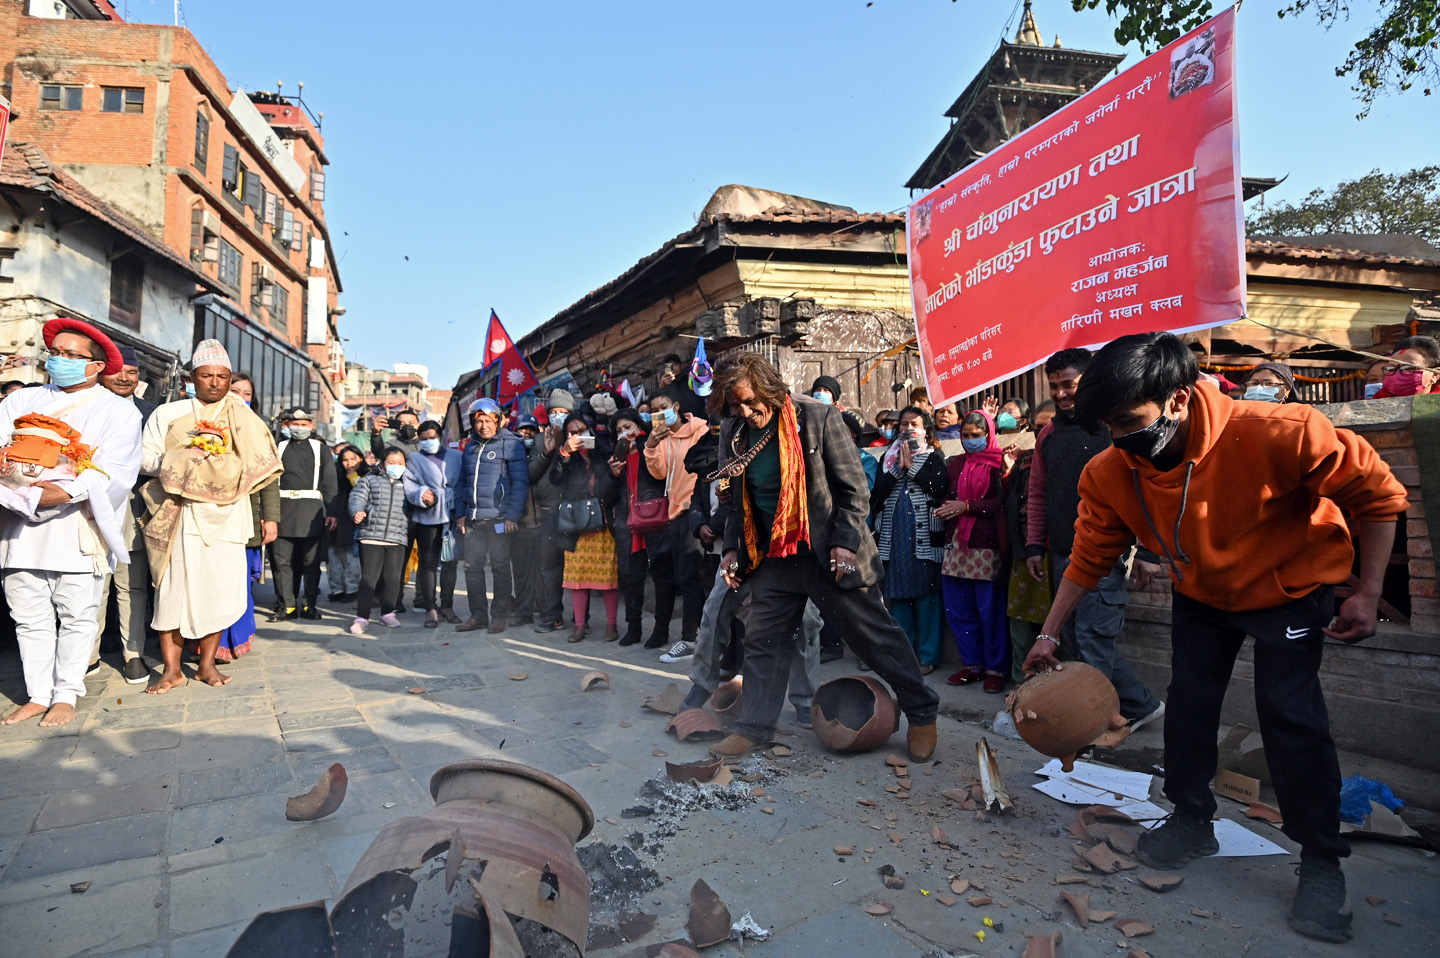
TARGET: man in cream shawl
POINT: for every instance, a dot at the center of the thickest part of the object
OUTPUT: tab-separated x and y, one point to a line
208	454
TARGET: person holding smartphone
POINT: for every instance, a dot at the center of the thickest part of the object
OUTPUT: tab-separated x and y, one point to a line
590	564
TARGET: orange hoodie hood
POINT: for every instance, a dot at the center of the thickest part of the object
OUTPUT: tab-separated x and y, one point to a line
1252	518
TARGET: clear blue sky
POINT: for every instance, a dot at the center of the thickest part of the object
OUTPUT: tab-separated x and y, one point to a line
523	153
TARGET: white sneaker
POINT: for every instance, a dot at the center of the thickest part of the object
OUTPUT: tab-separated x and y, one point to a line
679	652
1144	720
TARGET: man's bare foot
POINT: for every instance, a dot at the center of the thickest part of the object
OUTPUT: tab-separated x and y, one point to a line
61	713
165	683
23	713
212	676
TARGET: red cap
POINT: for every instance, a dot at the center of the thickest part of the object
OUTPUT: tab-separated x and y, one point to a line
114	362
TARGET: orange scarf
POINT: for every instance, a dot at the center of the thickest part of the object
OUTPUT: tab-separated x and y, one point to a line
792	512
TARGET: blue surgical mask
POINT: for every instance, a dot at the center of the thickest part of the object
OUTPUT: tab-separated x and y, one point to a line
823	395
1263	393
888	432
190	390
529	443
671	416
430	446
557	419
977	444
66	372
394	470
1371	389
285	432
1005	421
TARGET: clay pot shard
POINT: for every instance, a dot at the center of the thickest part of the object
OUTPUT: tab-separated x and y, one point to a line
695	725
324	799
1042	946
855	713
1162	884
991	784
1061	711
709	922
592	679
1134	927
699	771
727	700
667	702
1080	905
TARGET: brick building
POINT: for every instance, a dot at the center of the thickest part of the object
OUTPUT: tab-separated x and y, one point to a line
233	182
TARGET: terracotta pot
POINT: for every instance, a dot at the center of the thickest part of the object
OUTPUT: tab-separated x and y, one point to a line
515	830
727	701
1058	713
854	714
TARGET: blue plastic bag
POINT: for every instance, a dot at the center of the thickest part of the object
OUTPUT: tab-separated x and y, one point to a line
1356	794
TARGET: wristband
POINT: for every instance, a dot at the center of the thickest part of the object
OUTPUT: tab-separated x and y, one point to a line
1048	638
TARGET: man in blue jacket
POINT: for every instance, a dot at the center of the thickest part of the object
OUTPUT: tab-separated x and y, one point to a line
490	499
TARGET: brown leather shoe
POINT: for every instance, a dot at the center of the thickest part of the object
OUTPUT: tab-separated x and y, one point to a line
735	746
496	625
611	634
578	635
920	740
471	624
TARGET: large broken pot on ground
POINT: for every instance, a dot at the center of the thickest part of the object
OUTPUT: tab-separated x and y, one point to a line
854	714
727	701
490	871
1061	711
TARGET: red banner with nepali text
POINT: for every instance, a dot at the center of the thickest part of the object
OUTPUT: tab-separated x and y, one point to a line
1121	213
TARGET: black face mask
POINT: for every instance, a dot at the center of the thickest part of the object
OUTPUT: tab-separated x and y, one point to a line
1151	441
407	432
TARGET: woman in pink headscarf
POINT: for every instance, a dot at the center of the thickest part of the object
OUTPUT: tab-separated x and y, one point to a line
972	572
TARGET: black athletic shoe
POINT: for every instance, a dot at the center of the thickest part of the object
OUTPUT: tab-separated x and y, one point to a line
545	627
1181	838
657	641
136	672
1320	909
309	612
631	637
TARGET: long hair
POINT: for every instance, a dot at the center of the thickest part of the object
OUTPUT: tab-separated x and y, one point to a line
764	379
926	420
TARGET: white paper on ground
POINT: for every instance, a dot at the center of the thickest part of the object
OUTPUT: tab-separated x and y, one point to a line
1073	793
1113	781
1237	841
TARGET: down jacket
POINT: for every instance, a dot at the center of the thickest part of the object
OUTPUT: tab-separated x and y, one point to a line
494	478
382	499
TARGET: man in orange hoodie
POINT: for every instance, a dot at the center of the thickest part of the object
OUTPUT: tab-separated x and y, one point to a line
1244	501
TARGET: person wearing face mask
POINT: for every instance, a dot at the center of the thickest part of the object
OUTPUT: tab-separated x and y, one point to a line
431	499
826	389
343	567
672	434
489	501
1414	369
405	433
551	614
377	508
1269	382
53	558
525	551
1062	451
974	566
908	488
635	561
1375	377
582	472
306	488
1266	565
886	422
1044	414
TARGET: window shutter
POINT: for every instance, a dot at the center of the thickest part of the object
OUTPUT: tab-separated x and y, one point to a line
197	234
230	178
254	192
317	185
272	203
296	243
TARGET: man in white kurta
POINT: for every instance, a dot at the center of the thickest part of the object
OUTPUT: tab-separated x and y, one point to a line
58	539
202	589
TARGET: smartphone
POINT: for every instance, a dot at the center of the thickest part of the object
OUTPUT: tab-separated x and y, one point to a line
622	447
587	442
916	444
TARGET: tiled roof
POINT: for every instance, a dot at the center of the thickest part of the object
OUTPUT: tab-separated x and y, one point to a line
779	214
25	165
1289	250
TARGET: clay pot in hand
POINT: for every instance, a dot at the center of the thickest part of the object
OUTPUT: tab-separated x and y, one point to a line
1059	712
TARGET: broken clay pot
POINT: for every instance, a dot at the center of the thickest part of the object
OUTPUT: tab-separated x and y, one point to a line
727	701
514	829
1061	711
695	724
324	799
854	714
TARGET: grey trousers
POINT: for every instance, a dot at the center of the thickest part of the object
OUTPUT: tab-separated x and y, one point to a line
721	606
132	597
482	544
1094	633
779	591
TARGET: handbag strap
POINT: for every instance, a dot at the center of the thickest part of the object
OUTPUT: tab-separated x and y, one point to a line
632	479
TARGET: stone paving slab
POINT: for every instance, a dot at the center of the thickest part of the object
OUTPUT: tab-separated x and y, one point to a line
220	763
